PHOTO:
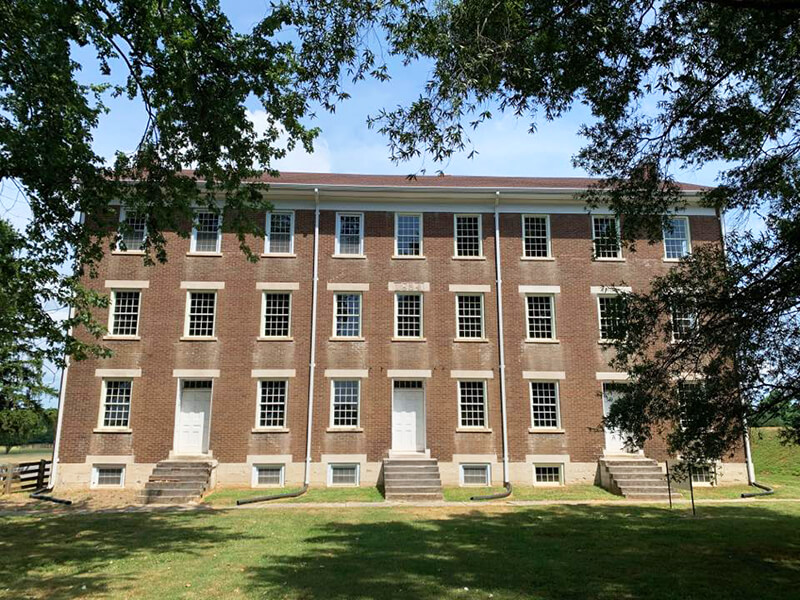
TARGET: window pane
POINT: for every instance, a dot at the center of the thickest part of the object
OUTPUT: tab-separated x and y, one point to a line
548	474
348	315
349	234
475	474
472	404
606	238
468	238
470	316
544	404
206	232
345	403
540	317
612	317
407	385
535	236
676	238
269	475
409	315
682	323
197	384
126	313
272	404
409	236
117	404
201	313
279	233
109	476
135	231
702	474
276	314
344	474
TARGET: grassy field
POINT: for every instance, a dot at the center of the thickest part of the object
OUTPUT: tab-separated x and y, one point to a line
504	553
20	455
228	497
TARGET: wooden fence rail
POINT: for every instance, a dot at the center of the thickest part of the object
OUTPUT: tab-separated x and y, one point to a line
23	477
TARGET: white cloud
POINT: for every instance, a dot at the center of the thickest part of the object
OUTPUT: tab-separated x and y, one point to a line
318	161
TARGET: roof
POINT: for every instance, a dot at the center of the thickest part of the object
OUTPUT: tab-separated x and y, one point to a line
441	181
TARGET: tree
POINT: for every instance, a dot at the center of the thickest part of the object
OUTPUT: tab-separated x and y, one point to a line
673	84
21	393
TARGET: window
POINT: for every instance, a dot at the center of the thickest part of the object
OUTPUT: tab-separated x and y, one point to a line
408	234
408	315
206	233
676	238
476	475
469	314
468	236
683	321
125	312
612	316
277	314
350	233
279	233
536	236
703	474
133	232
272	404
547	474
544	405
108	476
116	403
268	475
348	315
347	474
201	311
346	400
605	234
472	404
541	322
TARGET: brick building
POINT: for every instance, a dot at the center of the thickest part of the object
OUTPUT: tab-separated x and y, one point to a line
396	349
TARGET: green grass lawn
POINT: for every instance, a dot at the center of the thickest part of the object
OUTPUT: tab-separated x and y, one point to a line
555	552
522	492
24	454
228	497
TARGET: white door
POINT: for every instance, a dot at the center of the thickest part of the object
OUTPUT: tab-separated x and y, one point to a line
193	424
408	421
614	440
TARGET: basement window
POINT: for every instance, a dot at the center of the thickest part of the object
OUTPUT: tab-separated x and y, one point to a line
476	475
268	475
703	474
111	476
343	474
548	475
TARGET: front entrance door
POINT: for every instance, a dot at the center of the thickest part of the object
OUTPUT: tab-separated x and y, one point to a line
408	417
614	439
193	418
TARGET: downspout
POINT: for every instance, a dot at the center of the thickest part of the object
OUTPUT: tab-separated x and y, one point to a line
502	356
62	392
311	367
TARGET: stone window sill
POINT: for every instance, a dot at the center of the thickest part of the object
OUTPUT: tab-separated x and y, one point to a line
469	258
409	339
545	430
347	339
538	258
472	430
409	257
197	338
127	252
275	339
608	260
112	430
554	341
355	256
345	430
122	338
278	255
472	340
205	254
269	430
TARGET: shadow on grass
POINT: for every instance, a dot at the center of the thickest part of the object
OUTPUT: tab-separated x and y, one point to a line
566	552
76	552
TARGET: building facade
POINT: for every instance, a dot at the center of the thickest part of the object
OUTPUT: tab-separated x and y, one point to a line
395	350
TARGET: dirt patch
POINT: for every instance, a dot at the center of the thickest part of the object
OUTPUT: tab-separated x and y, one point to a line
81	499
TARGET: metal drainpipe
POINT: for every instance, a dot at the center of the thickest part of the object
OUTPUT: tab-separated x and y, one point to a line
60	419
502	355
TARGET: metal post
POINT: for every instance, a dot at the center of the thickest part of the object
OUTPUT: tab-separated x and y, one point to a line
691	490
669	484
40	474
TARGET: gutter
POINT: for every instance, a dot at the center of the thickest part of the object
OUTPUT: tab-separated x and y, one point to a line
502	355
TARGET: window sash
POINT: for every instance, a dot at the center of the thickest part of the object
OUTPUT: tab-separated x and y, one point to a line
469	316
201	314
478	475
116	411
683	323
347	312
676	238
606	237
408	315
135	232
125	312
350	234
206	233
468	236
344	474
545	413
547	474
345	403
272	396
108	476
540	315
279	233
472	405
536	236
408	234
610	310
268	475
276	314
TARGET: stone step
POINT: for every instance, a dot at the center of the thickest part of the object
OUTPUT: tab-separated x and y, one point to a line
177	464
199	486
641	481
410	461
418	497
635	489
623	470
169	489
421	472
413	489
406	475
638	475
629	463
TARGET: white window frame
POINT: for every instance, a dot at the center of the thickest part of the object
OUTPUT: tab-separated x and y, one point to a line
101	417
688	238
483	316
600	338
485	425
112	311
333	397
268	229
337	249
193	246
123	215
692	317
554	336
480	255
254	476
487	466
558	404
186	314
619	256
360	335
344	464
263	319
421	248
548	483
258	425
95	485
421	316
549	238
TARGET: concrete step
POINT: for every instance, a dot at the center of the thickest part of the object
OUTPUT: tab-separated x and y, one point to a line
165	469
198	486
644	489
629	463
622	471
168	490
171	464
641	481
410	461
401	476
414	489
426	497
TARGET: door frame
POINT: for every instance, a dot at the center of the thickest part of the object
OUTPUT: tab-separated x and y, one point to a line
424	414
177	420
606	432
